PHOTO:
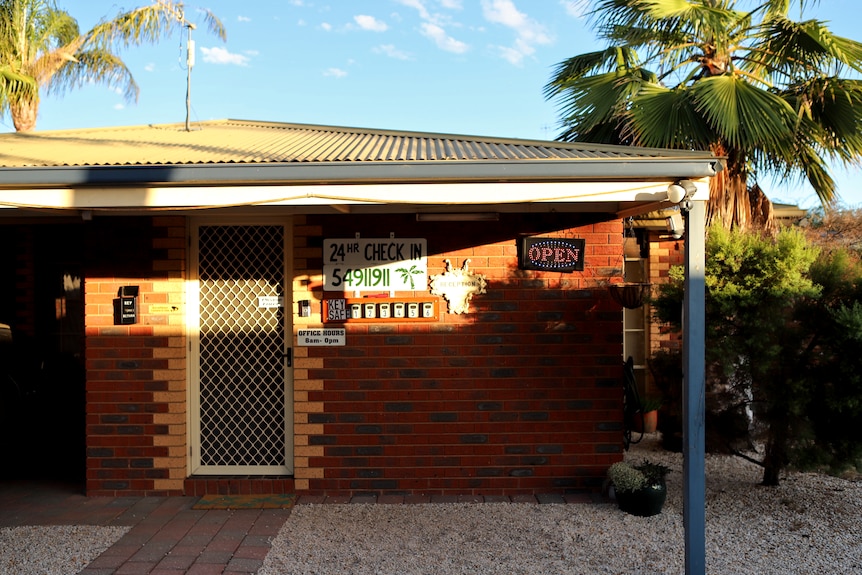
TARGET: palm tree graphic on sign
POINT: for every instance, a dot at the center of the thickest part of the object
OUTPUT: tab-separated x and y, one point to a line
408	275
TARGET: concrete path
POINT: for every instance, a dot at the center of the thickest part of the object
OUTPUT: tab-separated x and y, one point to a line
166	536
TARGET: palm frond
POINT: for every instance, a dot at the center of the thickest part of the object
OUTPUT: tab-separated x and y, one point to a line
608	133
830	113
696	18
147	24
608	60
59	29
799	49
816	172
743	115
95	66
660	117
15	87
213	24
772	8
592	103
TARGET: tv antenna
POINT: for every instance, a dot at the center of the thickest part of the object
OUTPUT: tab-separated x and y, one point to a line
190	62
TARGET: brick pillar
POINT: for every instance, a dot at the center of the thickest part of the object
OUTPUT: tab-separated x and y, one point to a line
307	413
136	374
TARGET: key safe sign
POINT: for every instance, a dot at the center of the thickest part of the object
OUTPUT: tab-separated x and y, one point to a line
375	264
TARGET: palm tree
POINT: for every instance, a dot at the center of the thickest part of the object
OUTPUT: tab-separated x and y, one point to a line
41	47
768	93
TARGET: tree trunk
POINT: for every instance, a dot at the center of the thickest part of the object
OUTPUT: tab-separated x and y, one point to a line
732	204
24	115
775	458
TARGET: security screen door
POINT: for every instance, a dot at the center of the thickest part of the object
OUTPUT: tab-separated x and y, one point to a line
241	392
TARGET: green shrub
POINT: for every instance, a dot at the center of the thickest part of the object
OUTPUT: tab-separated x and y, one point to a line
783	342
627	478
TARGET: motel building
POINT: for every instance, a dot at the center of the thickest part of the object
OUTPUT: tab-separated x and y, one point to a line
255	307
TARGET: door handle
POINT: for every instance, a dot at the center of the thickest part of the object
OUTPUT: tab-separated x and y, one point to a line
288	356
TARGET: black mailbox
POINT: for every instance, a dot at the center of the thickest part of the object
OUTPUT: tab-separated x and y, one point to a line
126	306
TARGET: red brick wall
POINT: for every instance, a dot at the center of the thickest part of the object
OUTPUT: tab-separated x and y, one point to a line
521	395
663	254
136	374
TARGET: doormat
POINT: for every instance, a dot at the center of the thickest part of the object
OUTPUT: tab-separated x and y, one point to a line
270	501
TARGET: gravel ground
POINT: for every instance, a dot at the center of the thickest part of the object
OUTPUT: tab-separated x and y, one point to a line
809	524
53	550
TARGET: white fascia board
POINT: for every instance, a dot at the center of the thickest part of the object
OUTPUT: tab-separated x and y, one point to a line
316	195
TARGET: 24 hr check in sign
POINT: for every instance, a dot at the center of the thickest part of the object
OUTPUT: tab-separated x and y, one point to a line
375	264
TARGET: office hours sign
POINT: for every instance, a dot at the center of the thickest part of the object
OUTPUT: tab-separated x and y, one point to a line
375	264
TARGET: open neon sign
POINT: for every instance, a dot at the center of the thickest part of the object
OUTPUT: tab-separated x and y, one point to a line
551	254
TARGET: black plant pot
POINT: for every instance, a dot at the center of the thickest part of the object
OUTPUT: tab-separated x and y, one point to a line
645	502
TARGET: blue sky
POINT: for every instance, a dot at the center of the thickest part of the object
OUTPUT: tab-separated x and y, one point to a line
450	66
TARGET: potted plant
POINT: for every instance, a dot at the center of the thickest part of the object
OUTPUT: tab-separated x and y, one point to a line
649	412
639	489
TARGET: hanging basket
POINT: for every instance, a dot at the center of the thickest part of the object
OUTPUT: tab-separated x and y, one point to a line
630	295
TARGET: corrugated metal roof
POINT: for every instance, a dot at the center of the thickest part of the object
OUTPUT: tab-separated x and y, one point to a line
250	142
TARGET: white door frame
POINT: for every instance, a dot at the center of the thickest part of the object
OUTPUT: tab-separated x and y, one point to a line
195	467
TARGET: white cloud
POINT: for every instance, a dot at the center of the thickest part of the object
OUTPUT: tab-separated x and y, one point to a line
417	5
243	19
529	32
221	56
119	107
440	19
370	23
326	26
512	55
443	40
432	25
391	51
335	72
504	12
150	67
576	8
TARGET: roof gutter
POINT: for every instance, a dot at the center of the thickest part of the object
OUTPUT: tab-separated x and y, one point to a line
651	169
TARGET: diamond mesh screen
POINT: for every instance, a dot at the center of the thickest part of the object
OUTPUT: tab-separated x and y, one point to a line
242	396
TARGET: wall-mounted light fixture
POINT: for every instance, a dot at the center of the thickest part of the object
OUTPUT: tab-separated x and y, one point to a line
675	225
457	217
680	191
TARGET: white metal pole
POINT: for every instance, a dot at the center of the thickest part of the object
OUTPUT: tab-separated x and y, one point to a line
190	62
694	389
